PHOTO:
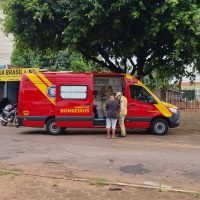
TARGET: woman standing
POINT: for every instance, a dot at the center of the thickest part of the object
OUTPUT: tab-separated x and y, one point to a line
112	112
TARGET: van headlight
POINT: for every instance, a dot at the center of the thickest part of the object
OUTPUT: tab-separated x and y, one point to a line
174	110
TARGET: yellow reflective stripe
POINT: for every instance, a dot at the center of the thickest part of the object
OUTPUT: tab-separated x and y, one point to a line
40	85
44	79
163	109
128	76
169	105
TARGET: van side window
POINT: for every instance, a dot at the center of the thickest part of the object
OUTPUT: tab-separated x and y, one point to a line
139	93
73	91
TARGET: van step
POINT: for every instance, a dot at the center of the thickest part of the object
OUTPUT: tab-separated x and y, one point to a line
101	121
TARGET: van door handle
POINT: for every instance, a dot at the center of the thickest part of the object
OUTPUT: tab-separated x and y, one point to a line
132	104
87	104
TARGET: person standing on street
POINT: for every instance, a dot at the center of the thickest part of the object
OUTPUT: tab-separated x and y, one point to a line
123	112
112	112
105	93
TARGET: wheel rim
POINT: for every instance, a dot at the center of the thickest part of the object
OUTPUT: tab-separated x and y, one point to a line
4	123
160	127
53	128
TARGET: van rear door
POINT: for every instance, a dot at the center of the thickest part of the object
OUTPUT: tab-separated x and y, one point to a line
74	100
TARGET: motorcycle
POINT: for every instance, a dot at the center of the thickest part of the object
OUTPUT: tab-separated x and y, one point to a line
12	119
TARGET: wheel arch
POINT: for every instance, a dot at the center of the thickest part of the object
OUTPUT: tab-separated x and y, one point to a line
162	117
52	128
48	118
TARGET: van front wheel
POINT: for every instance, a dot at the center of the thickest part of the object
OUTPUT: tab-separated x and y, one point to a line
52	129
159	126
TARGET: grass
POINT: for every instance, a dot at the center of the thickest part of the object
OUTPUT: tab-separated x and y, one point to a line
4	172
160	188
197	195
55	184
98	181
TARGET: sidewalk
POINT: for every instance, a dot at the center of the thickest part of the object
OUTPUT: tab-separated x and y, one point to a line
16	185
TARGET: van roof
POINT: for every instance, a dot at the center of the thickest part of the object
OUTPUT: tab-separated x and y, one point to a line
128	77
94	73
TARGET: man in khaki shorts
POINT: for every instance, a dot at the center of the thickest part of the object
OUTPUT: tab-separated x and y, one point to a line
123	112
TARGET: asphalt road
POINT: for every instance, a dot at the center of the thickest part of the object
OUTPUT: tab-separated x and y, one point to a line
140	158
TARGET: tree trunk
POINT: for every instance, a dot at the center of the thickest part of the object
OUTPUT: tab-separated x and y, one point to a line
141	59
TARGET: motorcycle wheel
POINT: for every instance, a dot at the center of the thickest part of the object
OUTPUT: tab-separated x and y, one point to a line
3	123
15	121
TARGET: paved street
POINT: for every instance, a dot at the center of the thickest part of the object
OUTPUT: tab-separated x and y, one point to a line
140	158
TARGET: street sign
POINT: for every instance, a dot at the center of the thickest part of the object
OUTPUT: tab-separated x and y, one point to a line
14	74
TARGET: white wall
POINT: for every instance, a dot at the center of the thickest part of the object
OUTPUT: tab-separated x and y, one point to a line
6	45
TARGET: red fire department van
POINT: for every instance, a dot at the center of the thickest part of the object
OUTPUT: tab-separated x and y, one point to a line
59	100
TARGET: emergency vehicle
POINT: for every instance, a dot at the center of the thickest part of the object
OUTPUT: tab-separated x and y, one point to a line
60	100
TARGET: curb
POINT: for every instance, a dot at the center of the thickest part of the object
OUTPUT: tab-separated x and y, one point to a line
87	180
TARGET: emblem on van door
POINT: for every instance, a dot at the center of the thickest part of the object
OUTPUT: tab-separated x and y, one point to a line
51	91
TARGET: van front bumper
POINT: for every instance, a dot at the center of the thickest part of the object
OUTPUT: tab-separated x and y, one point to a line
174	120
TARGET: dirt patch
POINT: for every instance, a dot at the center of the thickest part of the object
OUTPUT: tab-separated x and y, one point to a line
189	123
44	187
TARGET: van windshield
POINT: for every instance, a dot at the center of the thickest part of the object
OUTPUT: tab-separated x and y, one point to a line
139	93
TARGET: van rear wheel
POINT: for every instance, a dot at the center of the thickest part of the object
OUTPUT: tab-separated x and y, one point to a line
159	126
52	128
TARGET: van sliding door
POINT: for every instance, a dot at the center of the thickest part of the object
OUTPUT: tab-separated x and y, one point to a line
74	101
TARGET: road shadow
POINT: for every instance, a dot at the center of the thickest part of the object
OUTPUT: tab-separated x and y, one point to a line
33	132
90	131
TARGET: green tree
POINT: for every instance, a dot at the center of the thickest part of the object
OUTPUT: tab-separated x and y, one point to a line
24	58
54	61
123	35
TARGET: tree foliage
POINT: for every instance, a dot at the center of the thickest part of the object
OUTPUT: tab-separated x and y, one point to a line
63	60
123	35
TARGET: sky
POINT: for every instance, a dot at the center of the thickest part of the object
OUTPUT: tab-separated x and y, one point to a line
188	80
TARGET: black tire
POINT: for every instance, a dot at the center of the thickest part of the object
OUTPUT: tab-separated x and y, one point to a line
16	123
3	123
148	130
52	129
159	126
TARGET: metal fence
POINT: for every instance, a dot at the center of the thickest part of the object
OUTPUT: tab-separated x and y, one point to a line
185	100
